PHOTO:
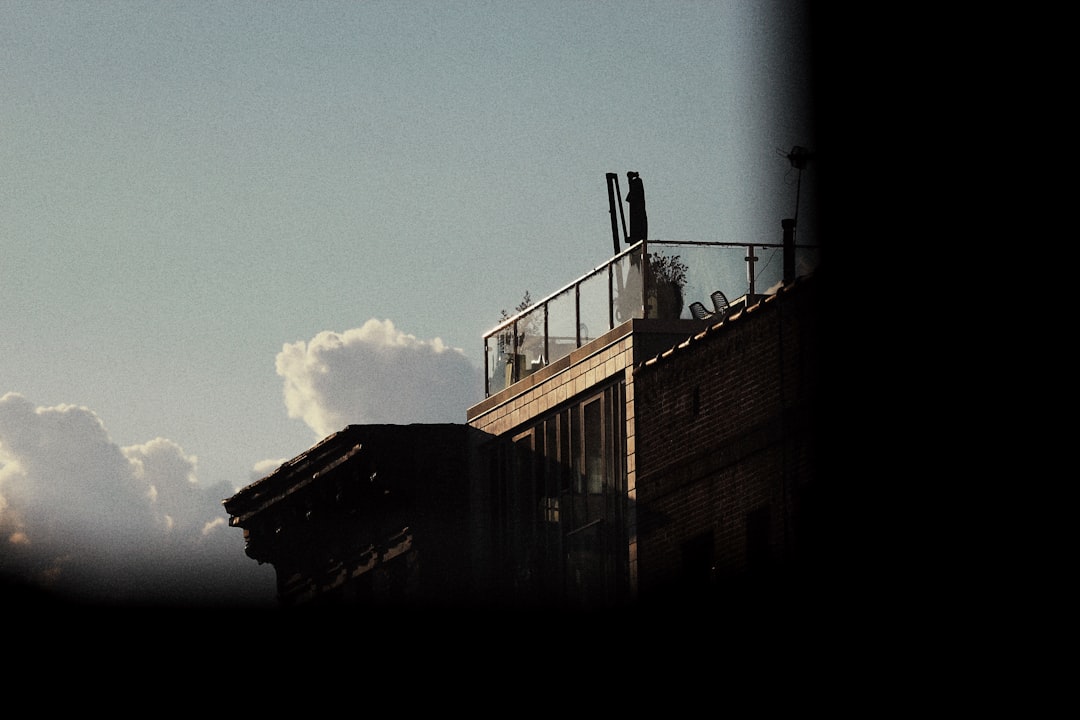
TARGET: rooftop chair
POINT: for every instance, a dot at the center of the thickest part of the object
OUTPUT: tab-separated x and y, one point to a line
698	310
720	304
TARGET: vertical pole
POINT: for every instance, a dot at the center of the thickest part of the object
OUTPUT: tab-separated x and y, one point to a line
646	278
611	209
577	314
622	216
789	249
751	258
611	294
798	190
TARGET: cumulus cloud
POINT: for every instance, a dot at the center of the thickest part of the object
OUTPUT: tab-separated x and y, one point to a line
81	515
376	374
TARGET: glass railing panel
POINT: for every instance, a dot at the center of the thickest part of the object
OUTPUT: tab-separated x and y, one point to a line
531	344
712	269
705	268
595	303
702	270
498	349
626	286
768	270
680	273
562	324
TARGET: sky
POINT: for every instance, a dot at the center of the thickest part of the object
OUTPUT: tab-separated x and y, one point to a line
229	229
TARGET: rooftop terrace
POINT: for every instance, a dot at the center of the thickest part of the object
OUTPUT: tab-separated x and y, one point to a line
680	273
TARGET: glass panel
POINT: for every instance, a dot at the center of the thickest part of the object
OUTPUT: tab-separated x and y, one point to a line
594	298
710	269
768	270
728	268
575	451
498	349
627	287
562	330
566	461
594	449
703	270
531	351
615	427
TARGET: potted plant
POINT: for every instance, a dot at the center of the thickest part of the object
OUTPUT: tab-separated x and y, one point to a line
511	349
667	278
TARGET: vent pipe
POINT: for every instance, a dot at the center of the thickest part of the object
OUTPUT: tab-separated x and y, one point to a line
789	249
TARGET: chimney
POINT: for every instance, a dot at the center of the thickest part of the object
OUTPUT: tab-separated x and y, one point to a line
789	249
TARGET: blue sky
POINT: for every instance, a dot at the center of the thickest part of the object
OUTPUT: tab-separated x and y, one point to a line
229	228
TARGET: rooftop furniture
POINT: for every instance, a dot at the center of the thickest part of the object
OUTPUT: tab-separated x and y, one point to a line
720	303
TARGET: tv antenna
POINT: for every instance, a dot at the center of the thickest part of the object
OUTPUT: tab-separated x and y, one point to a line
798	157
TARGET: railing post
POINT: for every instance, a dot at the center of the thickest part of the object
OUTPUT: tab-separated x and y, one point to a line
750	260
514	358
645	273
577	314
611	294
547	347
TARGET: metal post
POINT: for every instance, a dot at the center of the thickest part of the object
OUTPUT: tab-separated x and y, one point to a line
788	224
751	258
611	190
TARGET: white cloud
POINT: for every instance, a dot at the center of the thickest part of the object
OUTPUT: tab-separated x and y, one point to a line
83	515
79	513
376	374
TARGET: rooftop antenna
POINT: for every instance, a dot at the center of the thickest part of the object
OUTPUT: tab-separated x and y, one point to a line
798	157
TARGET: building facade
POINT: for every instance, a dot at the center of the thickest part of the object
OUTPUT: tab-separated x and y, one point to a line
663	460
666	459
373	514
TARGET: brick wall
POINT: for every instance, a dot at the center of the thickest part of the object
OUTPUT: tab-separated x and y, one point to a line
726	451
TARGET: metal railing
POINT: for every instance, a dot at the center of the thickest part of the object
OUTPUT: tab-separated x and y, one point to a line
680	272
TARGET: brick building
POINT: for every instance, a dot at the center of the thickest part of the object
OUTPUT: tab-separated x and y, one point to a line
727	439
663	456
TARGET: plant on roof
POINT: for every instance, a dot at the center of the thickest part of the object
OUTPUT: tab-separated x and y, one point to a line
668	268
666	282
525	304
526	328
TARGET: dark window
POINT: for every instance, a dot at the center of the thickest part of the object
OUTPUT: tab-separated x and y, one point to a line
594	448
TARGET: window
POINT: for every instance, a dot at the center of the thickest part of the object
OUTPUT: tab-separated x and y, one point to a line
561	494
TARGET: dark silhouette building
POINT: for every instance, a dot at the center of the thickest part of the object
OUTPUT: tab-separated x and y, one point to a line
373	513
